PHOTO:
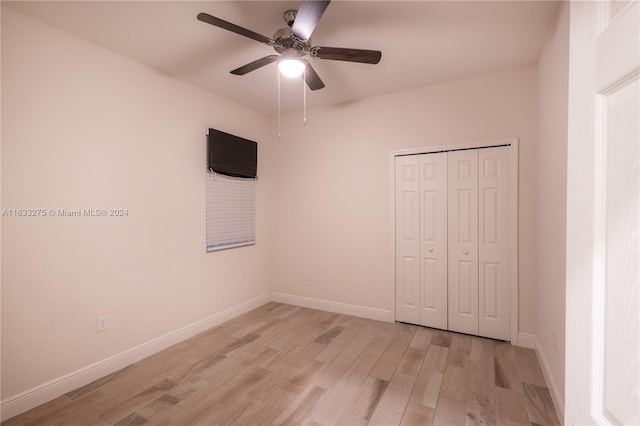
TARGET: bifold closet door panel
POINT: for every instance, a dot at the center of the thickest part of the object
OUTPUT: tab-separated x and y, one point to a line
433	240
407	210
494	192
463	241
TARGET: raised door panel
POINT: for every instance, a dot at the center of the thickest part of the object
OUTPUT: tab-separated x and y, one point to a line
407	208
494	241
618	315
463	241
621	370
433	240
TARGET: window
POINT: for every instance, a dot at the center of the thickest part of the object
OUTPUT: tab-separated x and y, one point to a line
230	211
231	189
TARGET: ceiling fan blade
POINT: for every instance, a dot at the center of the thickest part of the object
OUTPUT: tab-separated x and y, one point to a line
312	78
307	18
220	23
252	66
350	55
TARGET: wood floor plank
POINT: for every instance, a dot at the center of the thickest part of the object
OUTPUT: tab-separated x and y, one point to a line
360	369
427	388
482	378
333	372
291	365
481	350
34	415
241	384
306	354
386	365
337	400
506	374
332	350
193	367
481	409
436	358
540	406
459	350
450	412
159	406
71	412
441	338
412	361
304	376
173	416
378	344
129	407
357	345
362	410
262	391
511	408
398	392
300	410
134	419
422	338
455	383
271	408
403	335
98	383
418	415
92	421
529	367
329	335
385	417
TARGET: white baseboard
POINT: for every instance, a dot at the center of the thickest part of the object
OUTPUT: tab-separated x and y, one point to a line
38	395
530	341
327	305
527	340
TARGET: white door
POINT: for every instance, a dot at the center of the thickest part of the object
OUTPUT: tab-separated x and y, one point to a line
494	241
407	181
603	215
433	240
463	240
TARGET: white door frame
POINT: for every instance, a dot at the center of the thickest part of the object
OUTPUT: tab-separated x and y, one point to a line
513	143
598	67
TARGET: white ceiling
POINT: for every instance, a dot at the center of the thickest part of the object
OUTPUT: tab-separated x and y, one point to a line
422	42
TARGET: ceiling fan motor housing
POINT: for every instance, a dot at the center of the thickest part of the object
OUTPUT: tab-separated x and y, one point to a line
286	42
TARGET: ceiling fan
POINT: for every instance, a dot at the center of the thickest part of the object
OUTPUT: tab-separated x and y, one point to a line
293	43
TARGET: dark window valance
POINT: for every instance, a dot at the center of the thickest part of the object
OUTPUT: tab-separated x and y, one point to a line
231	155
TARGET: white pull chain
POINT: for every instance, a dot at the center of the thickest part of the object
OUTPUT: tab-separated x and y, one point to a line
279	119
304	96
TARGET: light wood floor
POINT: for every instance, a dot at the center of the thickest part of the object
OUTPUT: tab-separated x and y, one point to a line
281	364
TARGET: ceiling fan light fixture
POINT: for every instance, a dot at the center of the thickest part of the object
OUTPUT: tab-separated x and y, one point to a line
291	67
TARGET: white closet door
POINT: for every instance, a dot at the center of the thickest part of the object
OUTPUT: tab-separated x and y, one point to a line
463	240
407	239
494	241
433	240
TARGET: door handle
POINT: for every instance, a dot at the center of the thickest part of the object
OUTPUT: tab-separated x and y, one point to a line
430	249
466	252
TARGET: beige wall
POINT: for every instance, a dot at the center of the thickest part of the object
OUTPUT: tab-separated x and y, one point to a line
551	198
331	212
85	128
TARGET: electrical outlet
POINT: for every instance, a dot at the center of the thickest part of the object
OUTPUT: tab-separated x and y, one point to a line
102	323
307	276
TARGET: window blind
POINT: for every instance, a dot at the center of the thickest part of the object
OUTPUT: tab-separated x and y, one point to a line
230	211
